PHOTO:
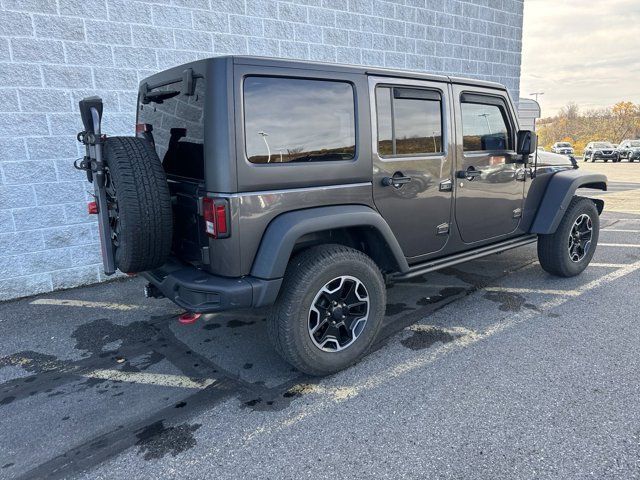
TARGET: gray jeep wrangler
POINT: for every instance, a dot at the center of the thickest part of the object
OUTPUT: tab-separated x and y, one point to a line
309	187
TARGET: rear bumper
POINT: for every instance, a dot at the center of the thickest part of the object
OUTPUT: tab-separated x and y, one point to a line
198	291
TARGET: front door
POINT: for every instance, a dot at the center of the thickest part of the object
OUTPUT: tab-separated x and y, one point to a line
489	177
412	161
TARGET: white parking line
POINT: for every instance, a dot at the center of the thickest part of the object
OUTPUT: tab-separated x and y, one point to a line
607	265
83	303
628	245
621	230
160	379
569	293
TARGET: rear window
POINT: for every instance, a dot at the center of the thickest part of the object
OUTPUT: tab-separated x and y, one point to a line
177	127
289	120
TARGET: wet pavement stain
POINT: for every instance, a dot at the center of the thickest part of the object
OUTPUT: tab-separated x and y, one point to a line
425	338
510	302
444	294
155	441
211	326
7	465
396	309
239	323
7	400
247	366
474	279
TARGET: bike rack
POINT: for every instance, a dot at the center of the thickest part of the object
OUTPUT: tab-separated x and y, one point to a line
93	164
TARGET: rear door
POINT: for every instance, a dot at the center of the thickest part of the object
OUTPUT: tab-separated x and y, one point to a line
489	178
173	119
412	161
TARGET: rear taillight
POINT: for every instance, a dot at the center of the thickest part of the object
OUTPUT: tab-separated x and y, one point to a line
145	130
216	217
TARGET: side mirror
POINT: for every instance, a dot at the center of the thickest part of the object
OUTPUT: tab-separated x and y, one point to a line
527	143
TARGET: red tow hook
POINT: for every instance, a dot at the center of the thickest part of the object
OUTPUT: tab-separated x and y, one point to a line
189	318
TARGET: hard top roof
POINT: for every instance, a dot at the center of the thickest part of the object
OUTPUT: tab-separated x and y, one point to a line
327	67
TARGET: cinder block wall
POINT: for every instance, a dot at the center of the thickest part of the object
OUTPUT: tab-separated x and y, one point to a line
54	52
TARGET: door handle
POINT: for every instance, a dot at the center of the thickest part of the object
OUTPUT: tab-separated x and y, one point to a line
470	173
396	181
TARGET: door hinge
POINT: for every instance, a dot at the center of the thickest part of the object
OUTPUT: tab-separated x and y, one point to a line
442	229
446	185
517	213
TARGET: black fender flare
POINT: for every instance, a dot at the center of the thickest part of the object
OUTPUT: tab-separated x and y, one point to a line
558	194
282	233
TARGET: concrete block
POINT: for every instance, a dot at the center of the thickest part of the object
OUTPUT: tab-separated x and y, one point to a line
24	286
37	51
15	24
349	55
68	236
83	8
36	218
19	243
395	60
63	28
394	27
153	37
10	266
115	78
45	148
169	16
129	11
88	54
235	44
109	32
44	100
9	100
373	58
61	76
263	8
307	33
322	53
278	29
37	6
60	192
211	21
229	6
86	255
193	40
290	12
335	36
323	17
74	277
45	261
372	24
12	149
23	173
263	47
16	196
294	50
21	124
243	25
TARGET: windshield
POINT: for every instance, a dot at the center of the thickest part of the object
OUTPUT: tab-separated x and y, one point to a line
564	145
602	145
635	143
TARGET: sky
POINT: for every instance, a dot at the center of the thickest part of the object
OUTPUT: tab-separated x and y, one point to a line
582	51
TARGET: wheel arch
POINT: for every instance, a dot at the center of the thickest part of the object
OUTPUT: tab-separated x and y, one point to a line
357	226
558	194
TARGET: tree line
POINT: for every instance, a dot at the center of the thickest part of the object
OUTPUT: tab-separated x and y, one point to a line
612	124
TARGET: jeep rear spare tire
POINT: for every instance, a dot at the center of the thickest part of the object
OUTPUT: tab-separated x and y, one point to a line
139	202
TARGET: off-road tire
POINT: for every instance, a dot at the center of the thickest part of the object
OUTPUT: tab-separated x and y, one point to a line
143	204
305	276
553	249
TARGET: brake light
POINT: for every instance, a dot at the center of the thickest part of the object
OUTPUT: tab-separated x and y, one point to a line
216	217
93	208
142	128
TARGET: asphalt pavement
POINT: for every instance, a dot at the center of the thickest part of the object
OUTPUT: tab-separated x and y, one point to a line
492	369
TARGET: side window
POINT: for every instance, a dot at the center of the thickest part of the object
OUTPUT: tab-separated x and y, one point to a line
298	120
484	127
409	121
